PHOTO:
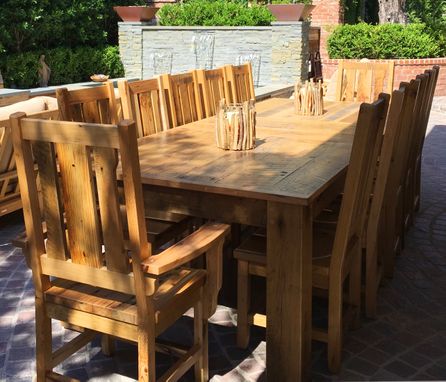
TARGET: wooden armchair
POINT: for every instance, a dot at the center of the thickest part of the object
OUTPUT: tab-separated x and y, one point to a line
144	102
211	88
9	187
86	273
336	253
363	81
98	105
182	101
240	82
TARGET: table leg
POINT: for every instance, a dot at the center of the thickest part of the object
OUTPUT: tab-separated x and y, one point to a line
289	293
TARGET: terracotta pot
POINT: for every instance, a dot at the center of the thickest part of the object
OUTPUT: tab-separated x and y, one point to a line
291	12
136	13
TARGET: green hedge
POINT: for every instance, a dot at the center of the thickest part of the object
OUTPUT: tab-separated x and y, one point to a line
214	12
382	41
67	66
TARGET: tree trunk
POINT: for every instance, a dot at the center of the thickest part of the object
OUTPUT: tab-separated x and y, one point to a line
392	11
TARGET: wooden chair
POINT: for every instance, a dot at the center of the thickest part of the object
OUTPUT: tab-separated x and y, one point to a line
143	102
98	105
394	199
417	171
413	194
9	186
336	254
374	235
182	101
363	81
418	121
87	273
240	82
211	88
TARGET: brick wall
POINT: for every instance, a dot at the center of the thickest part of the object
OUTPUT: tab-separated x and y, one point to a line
327	15
404	71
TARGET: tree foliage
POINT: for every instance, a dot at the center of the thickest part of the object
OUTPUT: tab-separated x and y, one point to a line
433	14
42	24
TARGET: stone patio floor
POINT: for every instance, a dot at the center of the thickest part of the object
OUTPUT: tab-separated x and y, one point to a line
406	342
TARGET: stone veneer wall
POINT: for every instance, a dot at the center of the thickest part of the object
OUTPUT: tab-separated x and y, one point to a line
282	48
405	70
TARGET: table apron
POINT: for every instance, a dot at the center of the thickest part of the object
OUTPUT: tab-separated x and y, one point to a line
227	209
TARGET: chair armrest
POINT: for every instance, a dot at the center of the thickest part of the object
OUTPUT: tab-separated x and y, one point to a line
191	247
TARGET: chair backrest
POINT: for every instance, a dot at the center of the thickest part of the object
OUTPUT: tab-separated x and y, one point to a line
93	105
240	82
77	169
143	102
363	81
389	147
182	102
211	89
9	186
432	75
358	184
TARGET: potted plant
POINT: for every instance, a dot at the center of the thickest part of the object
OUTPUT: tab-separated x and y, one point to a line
144	12
289	10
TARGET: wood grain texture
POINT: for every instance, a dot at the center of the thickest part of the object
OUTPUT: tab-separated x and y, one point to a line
296	162
363	81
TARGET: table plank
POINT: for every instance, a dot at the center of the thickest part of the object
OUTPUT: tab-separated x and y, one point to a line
294	160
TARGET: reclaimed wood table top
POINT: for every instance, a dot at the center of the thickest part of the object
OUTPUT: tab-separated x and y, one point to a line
295	158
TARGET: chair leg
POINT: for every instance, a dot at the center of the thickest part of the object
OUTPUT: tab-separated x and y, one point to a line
335	329
201	367
146	354
43	341
243	304
107	345
371	283
354	289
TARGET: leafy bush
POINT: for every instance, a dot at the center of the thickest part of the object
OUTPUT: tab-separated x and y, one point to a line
67	66
214	12
382	41
26	25
433	14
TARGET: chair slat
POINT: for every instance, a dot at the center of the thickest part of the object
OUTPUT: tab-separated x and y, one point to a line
56	245
106	161
77	186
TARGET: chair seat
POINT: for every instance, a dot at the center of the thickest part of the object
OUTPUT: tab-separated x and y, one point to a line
175	287
253	250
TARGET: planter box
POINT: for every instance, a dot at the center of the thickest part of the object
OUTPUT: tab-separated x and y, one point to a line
136	13
291	12
405	69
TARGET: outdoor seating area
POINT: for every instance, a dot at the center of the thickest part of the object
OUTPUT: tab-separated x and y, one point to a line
132	247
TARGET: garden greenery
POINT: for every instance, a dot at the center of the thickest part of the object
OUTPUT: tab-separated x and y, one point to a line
29	28
215	12
67	65
384	41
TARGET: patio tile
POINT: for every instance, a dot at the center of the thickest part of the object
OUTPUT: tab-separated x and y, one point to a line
401	369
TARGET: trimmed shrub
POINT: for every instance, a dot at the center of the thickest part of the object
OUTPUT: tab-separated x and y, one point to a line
384	41
67	66
214	13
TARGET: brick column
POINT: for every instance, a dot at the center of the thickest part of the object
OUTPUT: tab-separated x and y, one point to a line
327	15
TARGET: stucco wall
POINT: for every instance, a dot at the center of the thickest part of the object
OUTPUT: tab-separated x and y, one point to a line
279	51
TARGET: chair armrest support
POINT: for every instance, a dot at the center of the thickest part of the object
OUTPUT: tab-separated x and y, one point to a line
199	242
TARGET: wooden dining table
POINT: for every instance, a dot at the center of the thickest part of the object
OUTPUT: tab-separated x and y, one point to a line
296	169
